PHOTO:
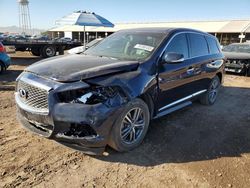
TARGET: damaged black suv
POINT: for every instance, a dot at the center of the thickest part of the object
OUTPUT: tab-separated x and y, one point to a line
109	94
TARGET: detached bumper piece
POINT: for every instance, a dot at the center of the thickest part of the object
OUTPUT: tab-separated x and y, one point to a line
80	137
44	129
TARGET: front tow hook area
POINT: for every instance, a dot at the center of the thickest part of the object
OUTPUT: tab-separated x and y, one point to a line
84	149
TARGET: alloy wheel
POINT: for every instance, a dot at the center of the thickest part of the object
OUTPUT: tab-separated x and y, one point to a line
133	125
214	90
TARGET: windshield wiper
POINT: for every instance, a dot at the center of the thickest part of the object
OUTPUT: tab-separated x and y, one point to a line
102	56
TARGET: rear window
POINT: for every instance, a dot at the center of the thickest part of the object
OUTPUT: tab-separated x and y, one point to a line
198	45
213	47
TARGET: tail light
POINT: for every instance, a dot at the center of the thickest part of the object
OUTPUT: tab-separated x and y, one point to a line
2	48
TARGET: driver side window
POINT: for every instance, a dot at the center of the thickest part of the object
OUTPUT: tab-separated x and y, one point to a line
178	45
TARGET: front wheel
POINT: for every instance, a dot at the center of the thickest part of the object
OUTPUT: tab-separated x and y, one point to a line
210	96
131	126
248	72
2	67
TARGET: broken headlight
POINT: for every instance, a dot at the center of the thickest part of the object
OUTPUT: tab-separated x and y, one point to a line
89	96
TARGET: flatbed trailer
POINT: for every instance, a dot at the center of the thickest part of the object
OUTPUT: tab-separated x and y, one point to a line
44	48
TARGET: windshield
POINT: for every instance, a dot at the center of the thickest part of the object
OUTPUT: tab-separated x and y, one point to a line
240	48
93	42
127	45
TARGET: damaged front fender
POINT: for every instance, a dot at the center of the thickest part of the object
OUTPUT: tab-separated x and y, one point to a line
133	84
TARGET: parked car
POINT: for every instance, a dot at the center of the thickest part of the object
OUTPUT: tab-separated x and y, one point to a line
80	49
4	59
238	58
40	37
56	39
3	37
109	94
65	39
20	37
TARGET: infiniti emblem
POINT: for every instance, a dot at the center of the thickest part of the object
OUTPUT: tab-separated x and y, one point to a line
23	93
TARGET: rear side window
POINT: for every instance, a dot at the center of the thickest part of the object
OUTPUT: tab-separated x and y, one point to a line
198	45
213	47
178	45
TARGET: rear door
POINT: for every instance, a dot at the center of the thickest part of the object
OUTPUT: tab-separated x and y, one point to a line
199	55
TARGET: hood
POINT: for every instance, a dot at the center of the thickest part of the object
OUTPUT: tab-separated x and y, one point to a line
236	55
71	68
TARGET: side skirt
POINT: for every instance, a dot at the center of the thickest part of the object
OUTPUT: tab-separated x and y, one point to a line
176	105
170	110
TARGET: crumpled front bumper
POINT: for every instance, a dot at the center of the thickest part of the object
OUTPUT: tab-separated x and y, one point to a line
63	116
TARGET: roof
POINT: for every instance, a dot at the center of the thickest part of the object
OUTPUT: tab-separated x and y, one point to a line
166	30
239	26
149	29
233	26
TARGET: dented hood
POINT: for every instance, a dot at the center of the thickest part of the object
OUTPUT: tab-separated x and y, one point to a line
78	67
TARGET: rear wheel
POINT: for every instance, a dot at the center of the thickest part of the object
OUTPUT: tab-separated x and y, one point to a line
210	96
131	126
48	51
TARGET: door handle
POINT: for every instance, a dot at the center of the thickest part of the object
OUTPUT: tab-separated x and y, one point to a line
190	70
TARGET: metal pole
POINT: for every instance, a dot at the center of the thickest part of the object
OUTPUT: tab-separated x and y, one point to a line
84	37
29	22
221	37
19	9
87	37
241	37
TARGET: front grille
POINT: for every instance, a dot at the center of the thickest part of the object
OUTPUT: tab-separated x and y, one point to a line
234	61
32	96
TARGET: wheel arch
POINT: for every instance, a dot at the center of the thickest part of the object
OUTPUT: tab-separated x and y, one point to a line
2	63
149	101
219	74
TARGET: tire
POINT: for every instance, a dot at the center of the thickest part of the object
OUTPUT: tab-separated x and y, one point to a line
210	96
35	51
2	67
48	51
248	72
126	136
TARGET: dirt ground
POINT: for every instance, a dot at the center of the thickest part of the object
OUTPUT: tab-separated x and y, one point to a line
198	146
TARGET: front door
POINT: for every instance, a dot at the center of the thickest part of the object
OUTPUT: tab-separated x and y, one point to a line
175	80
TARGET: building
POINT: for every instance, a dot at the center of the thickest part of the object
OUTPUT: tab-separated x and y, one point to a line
226	31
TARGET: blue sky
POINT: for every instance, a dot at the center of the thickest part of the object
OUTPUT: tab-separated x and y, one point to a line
45	12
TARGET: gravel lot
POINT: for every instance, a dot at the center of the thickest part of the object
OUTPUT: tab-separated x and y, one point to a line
198	146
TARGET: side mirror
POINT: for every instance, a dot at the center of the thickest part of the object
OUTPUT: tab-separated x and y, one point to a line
172	58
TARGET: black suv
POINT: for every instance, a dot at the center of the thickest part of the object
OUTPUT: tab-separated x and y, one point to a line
109	94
